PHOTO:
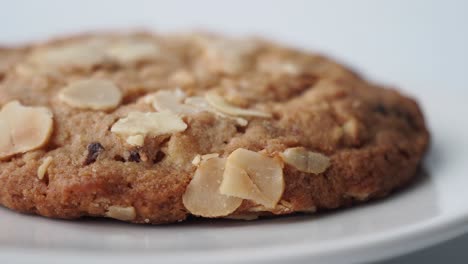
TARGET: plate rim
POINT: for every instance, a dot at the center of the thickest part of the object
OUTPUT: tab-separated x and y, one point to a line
367	248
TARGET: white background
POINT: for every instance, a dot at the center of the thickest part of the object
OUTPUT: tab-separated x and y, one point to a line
415	45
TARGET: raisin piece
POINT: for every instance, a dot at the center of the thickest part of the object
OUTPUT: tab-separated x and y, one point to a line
159	156
381	109
94	149
407	117
134	156
119	158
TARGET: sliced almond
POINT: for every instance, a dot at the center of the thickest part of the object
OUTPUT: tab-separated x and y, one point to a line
176	102
202	196
226	55
42	170
151	124
172	101
306	161
223	106
351	129
82	55
121	213
253	176
23	128
281	207
93	94
136	140
209	156
202	104
278	66
133	51
197	159
198	102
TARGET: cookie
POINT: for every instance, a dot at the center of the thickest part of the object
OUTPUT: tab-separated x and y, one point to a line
154	128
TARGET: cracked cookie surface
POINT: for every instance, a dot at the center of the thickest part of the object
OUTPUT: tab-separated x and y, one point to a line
137	118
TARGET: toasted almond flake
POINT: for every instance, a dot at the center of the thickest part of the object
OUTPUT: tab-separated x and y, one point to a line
82	55
23	128
42	170
196	160
290	68
282	206
203	105
133	51
253	176
279	66
259	208
121	213
151	124
241	121
176	102
172	101
93	94
202	196
306	161
226	55
198	101
209	156
351	128
360	195
182	77
221	105
286	204
29	70
136	140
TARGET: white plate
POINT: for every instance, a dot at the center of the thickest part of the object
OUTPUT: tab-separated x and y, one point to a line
431	210
418	52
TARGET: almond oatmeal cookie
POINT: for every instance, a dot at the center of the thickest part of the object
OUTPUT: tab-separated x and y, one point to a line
151	128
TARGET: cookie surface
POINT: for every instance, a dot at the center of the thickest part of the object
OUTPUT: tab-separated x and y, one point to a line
152	128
